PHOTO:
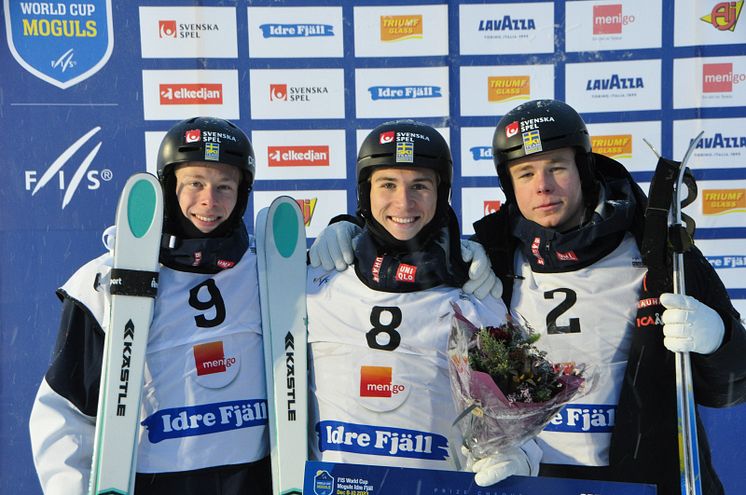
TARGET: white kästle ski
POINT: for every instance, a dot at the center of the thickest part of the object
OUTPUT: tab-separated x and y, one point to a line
134	284
281	252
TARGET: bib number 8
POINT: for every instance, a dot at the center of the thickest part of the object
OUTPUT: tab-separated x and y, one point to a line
389	329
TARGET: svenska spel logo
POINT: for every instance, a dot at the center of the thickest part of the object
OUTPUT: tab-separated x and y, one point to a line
167	29
60	43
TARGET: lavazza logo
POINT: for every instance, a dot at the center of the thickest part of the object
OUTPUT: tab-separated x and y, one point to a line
83	177
172	29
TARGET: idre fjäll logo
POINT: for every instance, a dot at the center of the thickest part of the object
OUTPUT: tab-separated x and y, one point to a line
60	43
83	174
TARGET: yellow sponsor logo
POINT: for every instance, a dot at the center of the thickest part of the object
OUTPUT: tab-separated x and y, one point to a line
721	201
400	27
614	146
506	88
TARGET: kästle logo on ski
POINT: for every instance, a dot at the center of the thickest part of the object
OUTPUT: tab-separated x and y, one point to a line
401	27
724	15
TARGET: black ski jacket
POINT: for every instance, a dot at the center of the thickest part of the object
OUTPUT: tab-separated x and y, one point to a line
644	443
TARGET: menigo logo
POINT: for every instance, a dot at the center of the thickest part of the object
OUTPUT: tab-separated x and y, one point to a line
720	78
724	15
298	156
376	381
283	92
613	146
491	206
296	30
60	43
401	27
214	369
404	92
608	19
508	88
723	201
308	207
83	174
191	94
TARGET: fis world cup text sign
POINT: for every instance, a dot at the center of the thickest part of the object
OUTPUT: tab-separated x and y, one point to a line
62	43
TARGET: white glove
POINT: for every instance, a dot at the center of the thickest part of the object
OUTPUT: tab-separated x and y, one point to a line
482	280
523	461
690	326
333	246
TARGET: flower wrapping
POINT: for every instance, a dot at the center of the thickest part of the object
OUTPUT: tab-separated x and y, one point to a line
514	403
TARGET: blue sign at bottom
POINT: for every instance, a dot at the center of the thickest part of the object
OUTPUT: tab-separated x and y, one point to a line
327	478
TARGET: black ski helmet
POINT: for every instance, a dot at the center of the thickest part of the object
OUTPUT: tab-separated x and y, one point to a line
538	126
206	140
403	144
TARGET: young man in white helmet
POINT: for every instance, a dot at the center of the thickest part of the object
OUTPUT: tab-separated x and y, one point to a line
207	308
380	387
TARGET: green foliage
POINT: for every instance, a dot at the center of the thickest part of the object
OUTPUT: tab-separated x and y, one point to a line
508	354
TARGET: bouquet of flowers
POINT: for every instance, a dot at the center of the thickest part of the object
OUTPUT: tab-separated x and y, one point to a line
503	385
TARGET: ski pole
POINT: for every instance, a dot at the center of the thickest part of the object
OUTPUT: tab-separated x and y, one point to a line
687	427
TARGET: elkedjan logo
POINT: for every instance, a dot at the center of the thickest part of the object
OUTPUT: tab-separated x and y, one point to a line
298	156
724	15
191	94
83	174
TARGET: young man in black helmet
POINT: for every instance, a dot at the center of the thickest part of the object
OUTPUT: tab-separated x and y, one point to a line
207	308
566	245
380	388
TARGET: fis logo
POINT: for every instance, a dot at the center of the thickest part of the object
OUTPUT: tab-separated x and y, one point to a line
308	207
167	29
507	88
191	94
376	381
719	78
491	206
323	483
65	61
210	358
608	19
724	15
401	27
83	174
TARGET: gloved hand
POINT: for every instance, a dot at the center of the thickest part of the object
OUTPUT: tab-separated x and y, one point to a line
523	461
333	246
689	325
482	280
